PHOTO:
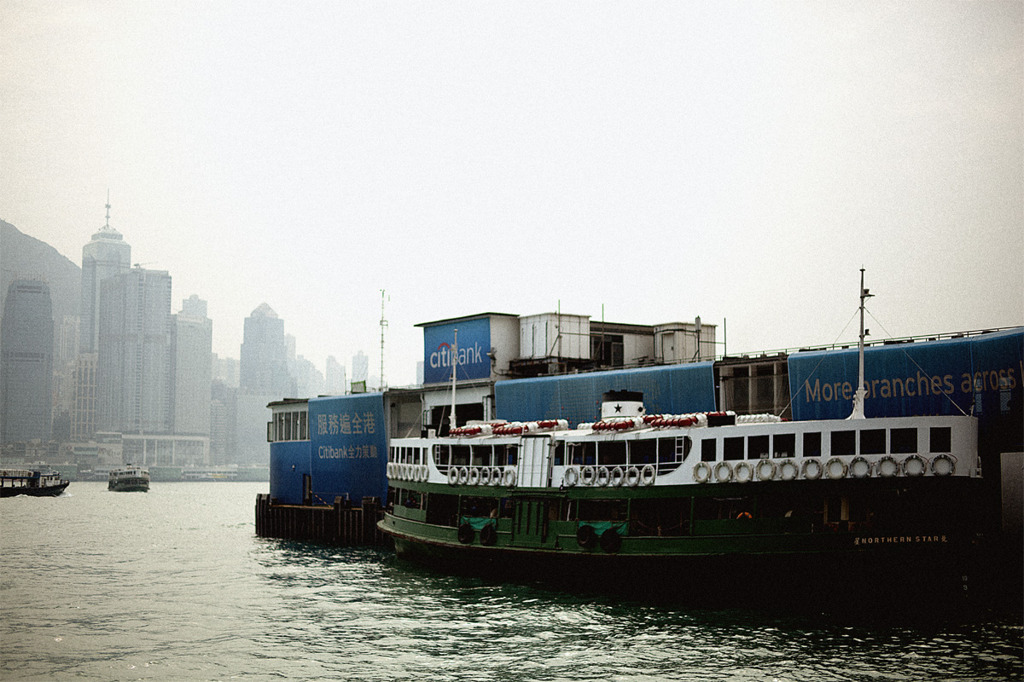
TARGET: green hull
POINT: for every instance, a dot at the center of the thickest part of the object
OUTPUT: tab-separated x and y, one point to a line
129	486
762	551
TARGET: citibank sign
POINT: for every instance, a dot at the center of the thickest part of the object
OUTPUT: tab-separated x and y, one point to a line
470	356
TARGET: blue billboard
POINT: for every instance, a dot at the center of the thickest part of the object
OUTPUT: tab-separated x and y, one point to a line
348	447
979	375
672	389
474	343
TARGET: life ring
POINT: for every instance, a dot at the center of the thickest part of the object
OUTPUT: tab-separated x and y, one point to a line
723	472
611	541
488	535
744	515
587	475
603	476
943	465
744	472
812	469
463	475
765	470
887	467
424	472
701	472
632	477
648	474
788	470
496	475
617	475
570	477
391	469
453	475
914	465
485	475
473	476
466	533
586	536
509	478
860	467
835	468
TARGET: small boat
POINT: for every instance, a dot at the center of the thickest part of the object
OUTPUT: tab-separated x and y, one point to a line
128	479
30	482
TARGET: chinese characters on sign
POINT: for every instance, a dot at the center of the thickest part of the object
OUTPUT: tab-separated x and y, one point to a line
344	423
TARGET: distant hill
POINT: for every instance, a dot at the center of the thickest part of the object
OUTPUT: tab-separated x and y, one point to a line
22	256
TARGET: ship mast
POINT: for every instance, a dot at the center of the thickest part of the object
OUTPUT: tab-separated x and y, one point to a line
858	396
455	363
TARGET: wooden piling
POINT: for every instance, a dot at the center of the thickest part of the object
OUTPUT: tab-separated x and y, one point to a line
338	524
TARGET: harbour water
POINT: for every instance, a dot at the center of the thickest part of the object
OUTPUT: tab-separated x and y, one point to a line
174	585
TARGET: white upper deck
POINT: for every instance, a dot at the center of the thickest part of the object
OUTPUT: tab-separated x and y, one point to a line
690	449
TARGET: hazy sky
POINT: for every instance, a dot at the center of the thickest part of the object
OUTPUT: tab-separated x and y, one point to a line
663	160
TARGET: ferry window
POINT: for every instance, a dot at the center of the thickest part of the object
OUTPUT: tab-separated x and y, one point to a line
612	452
843	443
872	442
512	455
757	447
707	450
482	455
733	448
559	453
812	445
940	439
784	444
602	510
575	453
270	432
303	426
443	510
903	441
589	453
643	451
460	455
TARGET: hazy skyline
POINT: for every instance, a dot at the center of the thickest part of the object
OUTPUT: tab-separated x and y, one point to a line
729	160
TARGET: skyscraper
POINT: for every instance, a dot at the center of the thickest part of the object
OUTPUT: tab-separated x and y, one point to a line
263	362
192	371
360	366
263	377
134	369
336	383
105	256
26	363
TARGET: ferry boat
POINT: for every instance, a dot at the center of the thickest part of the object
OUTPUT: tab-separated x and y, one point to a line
128	479
30	482
709	505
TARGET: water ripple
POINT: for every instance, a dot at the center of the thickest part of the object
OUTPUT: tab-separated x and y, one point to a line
174	585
